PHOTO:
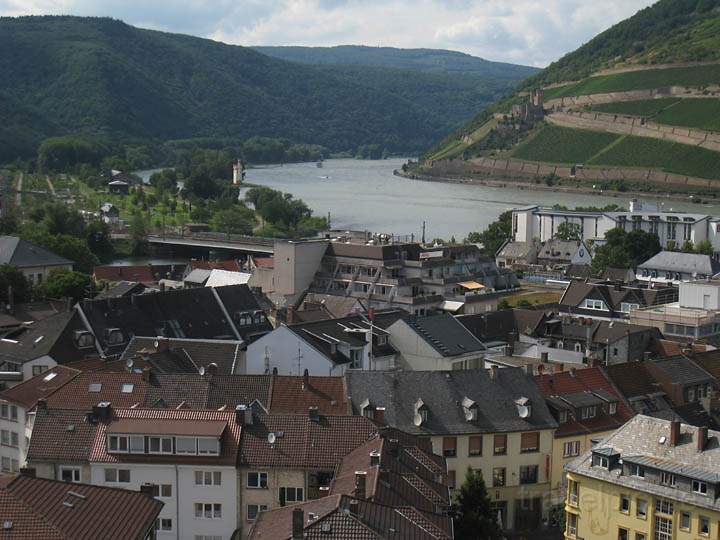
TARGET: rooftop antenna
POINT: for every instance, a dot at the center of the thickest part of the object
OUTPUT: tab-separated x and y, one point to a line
299	360
423	233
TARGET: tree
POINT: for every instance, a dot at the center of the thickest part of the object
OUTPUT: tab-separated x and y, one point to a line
625	250
138	234
237	220
59	218
63	283
497	233
9	223
473	514
569	231
688	247
13	279
704	247
503	304
99	241
74	249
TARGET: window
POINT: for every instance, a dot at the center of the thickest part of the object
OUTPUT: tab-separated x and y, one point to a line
529	442
37	370
499	477
257	479
663	528
5	464
637	470
641	510
623	534
208	511
208	537
667	479
624	504
475	445
528	474
500	445
449	446
253	510
573	493
117	443
127	388
600	461
9	438
9	412
699	487
94	388
640	536
121	476
451	479
704	526
163	491
685	521
70	474
163	524
208	446
593	304
160	445
185	445
208	478
291	495
612	408
572	525
571	448
137	444
588	412
627	307
356	358
664	506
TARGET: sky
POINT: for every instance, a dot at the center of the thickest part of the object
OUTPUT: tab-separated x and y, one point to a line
530	32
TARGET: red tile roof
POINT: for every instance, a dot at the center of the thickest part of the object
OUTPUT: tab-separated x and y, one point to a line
266	262
163	426
40	386
583	380
231	264
77	394
142	273
49	510
304	442
289	394
60	435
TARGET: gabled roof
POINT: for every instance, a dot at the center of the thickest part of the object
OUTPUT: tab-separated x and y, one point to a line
689	263
61	435
230	265
23	254
304	442
49	509
27	393
292	394
198	276
442	393
633	379
497	325
337	306
122	288
682	370
444	334
141	273
519	250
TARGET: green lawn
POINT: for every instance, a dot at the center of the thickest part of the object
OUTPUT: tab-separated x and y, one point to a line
639	80
644	107
555	144
658	154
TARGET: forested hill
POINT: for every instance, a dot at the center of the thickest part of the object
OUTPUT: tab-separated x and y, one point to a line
425	60
103	78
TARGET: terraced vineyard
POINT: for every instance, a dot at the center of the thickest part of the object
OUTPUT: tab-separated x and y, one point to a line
564	145
640	80
701	113
672	157
643	107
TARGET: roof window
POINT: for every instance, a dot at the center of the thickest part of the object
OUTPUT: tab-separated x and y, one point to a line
94	387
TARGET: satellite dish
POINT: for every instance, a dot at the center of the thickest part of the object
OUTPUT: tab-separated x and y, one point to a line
469	415
271	438
129	363
201	370
523	411
156	344
417	419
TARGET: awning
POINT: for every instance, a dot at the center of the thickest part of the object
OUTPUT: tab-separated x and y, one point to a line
471	285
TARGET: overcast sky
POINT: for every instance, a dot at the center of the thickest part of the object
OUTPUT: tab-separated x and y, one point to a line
532	32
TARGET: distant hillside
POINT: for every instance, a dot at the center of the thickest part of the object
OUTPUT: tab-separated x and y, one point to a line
426	60
105	79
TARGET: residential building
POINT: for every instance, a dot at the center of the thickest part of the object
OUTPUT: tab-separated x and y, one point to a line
651	479
17	414
116	273
587	409
33	261
52	510
325	347
517	255
673	267
494	420
197	278
188	456
435	342
558	254
694	316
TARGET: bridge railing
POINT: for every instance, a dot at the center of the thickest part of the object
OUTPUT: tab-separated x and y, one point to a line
220	237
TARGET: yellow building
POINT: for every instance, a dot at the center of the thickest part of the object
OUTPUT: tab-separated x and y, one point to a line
652	479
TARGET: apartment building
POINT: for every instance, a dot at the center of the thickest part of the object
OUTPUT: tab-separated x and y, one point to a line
495	421
188	456
651	479
670	267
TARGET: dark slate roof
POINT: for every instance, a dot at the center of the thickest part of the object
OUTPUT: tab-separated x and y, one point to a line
23	254
615	294
689	263
633	379
682	370
497	325
445	334
442	392
122	288
53	336
693	414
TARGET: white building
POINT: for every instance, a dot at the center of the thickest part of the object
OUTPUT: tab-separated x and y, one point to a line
33	261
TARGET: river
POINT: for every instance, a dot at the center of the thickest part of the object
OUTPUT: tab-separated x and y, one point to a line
366	195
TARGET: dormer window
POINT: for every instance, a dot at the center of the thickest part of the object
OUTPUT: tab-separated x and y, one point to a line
114	336
562	417
84	339
244	318
588	412
470	409
381	340
600	461
637	471
612	409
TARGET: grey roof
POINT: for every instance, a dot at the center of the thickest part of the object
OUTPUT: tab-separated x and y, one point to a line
518	250
689	263
199	275
674	467
445	334
640	440
23	254
559	249
442	392
582	399
682	370
122	288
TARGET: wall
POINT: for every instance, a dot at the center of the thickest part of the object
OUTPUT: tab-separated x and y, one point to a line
295	264
699	295
31	273
27	367
15	426
634	95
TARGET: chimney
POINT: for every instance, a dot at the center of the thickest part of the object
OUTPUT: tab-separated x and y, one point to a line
290	318
275	370
493	372
394	447
28	471
147	489
380	416
243	415
674	432
146	372
162	344
544	357
354	507
42	404
572	371
374	458
559	367
298	524
360	482
102	411
541	369
512	338
313	414
306	379
529	369
162	286
702	435
211	368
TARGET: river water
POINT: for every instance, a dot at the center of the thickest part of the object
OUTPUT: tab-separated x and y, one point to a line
366	195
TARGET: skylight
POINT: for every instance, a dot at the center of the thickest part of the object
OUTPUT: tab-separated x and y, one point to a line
94	387
127	388
49	377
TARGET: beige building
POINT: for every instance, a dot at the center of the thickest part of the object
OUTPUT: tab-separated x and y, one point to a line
495	421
